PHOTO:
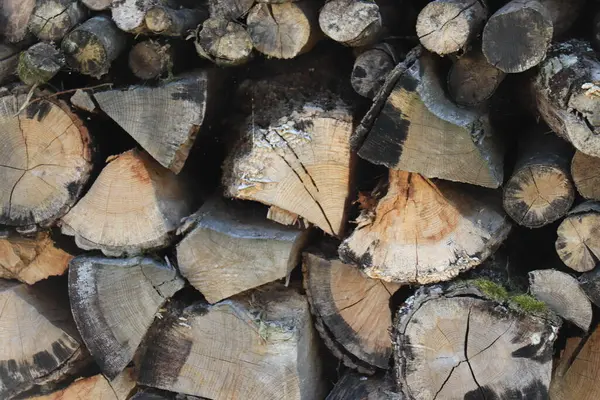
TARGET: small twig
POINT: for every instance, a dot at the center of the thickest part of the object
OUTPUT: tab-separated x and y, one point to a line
71	91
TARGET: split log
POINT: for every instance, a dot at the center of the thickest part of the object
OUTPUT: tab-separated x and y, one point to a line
343	302
40	343
576	376
232	248
457	343
53	19
590	284
151	59
351	22
114	302
294	152
224	42
371	68
9	59
39	63
229	9
421	130
530	24
83	101
448	26
31	259
357	387
261	344
578	244
93	46
164	119
166	21
540	190
44	160
424	232
472	80
567	95
97	5
135	205
284	30
14	19
95	387
129	15
562	294
584	170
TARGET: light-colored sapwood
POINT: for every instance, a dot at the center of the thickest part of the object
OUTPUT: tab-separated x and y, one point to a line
164	119
578	244
260	345
423	231
584	170
351	22
97	5
166	21
135	205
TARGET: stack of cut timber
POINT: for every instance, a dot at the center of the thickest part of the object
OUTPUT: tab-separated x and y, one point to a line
299	199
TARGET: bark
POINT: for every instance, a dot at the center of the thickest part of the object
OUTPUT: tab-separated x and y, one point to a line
93	46
424	232
540	190
114	302
164	119
449	26
284	30
562	294
151	59
530	24
228	238
135	205
39	63
294	152
458	343
166	21
31	259
351	22
354	386
455	144
45	162
566	94
472	80
578	245
585	176
266	333
343	301
372	67
224	42
53	19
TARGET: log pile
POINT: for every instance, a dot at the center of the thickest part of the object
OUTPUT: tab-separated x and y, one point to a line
299	199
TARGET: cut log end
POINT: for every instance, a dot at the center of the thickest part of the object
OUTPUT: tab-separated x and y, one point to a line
472	80
405	237
111	217
150	59
53	19
446	27
578	244
39	63
584	169
45	160
350	22
226	43
370	70
343	301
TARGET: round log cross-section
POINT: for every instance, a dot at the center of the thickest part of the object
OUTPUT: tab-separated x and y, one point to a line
44	161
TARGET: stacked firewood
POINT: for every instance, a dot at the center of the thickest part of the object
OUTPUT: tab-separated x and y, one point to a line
277	199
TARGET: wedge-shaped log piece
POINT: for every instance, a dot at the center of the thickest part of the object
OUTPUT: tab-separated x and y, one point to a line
39	340
135	205
423	231
562	294
45	160
351	22
165	119
458	344
114	302
578	244
448	26
540	190
566	94
294	154
261	345
586	176
344	302
233	248
31	259
578	371
358	387
95	387
421	130
590	284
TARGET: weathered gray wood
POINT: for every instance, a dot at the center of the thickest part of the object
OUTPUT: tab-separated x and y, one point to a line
129	15
53	19
585	171
354	386
167	21
351	22
590	284
224	42
14	19
229	9
97	5
9	59
39	63
83	101
371	68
